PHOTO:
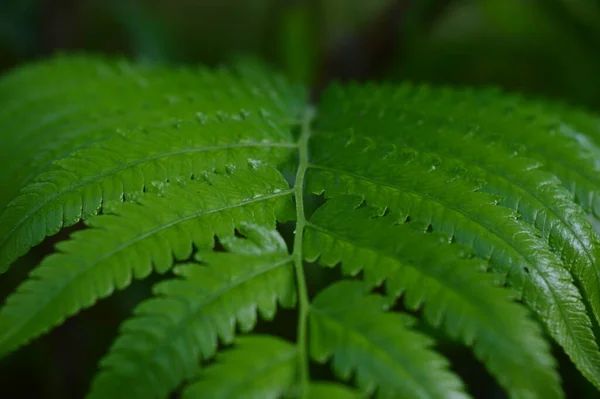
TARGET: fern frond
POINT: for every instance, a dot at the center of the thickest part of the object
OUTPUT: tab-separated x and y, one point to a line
136	238
162	345
226	113
415	185
526	126
426	190
521	183
379	346
258	367
76	187
80	101
439	277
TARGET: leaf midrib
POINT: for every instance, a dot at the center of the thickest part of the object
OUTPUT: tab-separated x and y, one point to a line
303	373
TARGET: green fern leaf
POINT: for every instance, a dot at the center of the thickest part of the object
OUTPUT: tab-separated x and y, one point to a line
68	108
390	357
259	367
426	191
418	186
108	165
136	238
528	127
522	185
76	186
439	277
171	333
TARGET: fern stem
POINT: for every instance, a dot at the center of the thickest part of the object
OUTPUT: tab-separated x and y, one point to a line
303	302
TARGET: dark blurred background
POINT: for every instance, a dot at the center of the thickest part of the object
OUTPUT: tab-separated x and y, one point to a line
548	48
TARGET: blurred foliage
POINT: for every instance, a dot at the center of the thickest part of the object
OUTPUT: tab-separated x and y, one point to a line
547	47
539	47
543	47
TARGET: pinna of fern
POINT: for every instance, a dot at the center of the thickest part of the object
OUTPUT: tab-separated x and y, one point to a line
467	211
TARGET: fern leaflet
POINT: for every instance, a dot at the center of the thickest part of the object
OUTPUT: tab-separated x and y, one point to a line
96	169
269	378
388	357
521	184
394	178
135	237
172	332
451	288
